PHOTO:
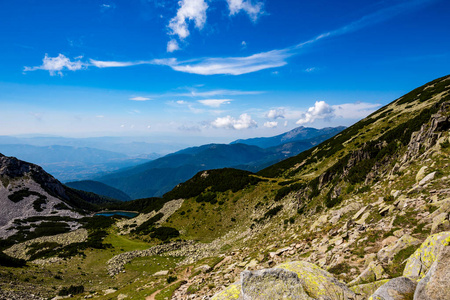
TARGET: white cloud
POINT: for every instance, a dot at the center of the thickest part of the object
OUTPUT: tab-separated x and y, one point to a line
100	116
57	64
190	10
309	70
113	64
181	102
253	10
271	124
285	123
172	46
244	122
214	102
276	113
212	93
229	65
140	98
320	110
356	110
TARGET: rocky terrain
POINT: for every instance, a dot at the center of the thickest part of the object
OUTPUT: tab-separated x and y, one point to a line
364	215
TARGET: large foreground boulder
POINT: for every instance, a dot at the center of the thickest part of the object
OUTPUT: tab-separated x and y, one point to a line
400	288
420	262
294	280
436	283
272	284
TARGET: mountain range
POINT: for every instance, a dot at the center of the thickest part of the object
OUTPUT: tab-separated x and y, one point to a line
159	176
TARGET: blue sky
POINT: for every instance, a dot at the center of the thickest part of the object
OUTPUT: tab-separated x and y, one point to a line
212	70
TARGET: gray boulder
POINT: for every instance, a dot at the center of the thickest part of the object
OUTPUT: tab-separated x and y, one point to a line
400	288
272	284
436	283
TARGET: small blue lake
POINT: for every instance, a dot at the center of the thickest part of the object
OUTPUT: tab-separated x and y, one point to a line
117	213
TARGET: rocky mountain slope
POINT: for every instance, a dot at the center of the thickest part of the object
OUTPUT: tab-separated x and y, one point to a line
363	215
28	192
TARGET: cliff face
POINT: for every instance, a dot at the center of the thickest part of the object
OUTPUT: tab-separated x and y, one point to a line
27	191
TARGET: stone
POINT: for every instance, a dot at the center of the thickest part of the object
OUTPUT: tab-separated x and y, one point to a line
161	273
319	222
421	174
367	289
252	264
109	291
387	254
203	268
400	288
232	292
389	241
318	283
421	260
436	283
427	179
373	272
360	212
440	223
363	218
399	233
270	284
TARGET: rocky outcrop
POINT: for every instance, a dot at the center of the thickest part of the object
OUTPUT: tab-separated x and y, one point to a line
429	133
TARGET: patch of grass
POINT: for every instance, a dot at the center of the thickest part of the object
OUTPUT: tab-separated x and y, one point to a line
167	293
395	268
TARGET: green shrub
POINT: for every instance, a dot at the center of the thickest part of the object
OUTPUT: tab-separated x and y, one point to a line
171	279
164	233
8	261
72	290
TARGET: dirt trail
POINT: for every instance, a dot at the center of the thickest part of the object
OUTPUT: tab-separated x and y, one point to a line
185	276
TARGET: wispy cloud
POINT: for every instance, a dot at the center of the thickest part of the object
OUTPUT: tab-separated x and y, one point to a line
229	65
253	10
243	122
216	103
214	93
115	64
139	98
